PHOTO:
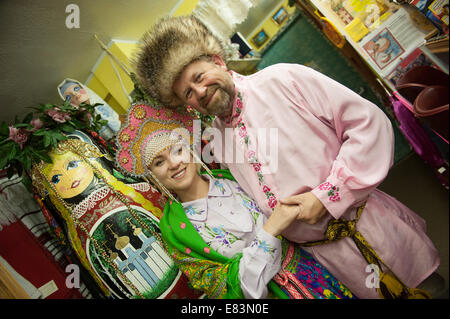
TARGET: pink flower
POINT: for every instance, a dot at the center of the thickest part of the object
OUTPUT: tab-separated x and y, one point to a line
57	115
335	197
251	154
272	202
37	124
256	167
88	116
325	186
239	103
20	136
242	132
266	189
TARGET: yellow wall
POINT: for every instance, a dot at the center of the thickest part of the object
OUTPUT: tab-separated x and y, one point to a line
185	8
270	26
105	82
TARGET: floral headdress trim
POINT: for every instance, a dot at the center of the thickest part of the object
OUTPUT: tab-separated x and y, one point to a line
143	122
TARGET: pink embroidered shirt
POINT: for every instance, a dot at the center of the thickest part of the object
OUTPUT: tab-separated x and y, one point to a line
323	138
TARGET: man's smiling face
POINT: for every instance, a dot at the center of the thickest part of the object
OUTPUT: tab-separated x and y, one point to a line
206	86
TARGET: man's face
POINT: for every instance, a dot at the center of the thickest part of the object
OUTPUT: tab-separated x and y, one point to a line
207	87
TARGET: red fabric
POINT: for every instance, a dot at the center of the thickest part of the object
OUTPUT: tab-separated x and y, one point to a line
21	249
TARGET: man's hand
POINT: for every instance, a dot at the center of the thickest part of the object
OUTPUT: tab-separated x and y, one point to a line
311	208
282	216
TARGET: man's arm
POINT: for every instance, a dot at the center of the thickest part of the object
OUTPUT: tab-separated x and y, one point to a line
366	142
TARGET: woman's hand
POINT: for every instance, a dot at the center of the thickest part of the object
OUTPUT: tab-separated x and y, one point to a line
281	218
311	208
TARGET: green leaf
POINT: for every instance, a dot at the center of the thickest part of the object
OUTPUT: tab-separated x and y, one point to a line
59	137
4	130
46	158
13	151
68	128
23	125
28	118
75	123
27	163
3	162
54	141
47	140
40	132
66	104
42	155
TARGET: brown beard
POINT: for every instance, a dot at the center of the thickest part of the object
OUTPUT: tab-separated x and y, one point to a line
220	104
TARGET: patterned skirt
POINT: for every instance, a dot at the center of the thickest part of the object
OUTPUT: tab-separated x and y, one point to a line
302	277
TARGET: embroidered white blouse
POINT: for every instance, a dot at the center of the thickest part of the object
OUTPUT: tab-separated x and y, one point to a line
230	222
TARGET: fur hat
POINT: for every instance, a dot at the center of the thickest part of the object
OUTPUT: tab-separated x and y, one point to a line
172	44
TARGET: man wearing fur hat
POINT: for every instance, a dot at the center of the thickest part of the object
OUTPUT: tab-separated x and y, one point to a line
334	149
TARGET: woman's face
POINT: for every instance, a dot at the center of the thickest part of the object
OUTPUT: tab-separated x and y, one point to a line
69	175
76	95
174	168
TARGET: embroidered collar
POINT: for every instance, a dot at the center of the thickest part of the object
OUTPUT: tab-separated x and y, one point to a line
197	210
238	106
218	188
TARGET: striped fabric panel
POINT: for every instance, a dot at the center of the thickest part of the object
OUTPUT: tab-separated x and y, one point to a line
16	203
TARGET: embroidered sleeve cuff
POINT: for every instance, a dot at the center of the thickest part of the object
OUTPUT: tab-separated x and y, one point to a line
336	199
266	244
260	262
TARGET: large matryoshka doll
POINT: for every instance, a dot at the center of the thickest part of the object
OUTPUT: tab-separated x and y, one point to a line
111	221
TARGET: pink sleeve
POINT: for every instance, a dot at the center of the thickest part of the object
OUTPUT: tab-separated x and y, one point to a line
363	130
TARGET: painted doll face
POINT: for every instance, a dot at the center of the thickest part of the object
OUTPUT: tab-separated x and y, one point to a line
76	95
174	168
69	175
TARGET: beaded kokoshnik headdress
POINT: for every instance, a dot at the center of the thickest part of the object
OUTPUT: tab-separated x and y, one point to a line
148	131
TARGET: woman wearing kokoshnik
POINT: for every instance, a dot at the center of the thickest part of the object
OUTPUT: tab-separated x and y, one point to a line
216	234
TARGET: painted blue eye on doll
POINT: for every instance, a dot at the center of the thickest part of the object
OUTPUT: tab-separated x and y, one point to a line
55	179
68	97
73	164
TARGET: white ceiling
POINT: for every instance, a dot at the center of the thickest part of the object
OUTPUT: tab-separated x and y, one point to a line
37	50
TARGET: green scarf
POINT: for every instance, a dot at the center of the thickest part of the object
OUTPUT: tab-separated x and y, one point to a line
207	270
